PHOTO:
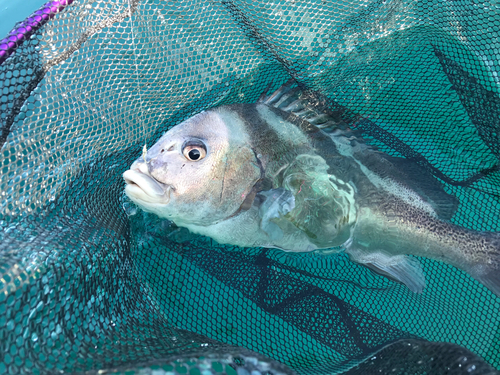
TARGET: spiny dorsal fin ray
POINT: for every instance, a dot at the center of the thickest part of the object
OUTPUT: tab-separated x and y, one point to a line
292	98
313	108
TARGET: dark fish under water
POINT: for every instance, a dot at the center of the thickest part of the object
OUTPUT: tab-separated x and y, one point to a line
279	174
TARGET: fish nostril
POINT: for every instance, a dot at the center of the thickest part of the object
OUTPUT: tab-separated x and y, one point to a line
170	148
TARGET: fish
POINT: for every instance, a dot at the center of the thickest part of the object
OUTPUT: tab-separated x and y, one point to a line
281	173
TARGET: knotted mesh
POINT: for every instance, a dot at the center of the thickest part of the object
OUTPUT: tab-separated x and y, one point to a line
89	283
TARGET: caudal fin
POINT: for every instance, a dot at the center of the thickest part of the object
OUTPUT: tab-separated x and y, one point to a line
487	270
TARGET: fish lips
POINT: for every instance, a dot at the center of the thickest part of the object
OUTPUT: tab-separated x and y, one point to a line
145	188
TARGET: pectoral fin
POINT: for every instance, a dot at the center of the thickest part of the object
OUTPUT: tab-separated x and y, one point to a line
274	203
399	268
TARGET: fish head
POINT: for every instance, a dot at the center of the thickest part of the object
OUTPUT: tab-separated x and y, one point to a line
199	172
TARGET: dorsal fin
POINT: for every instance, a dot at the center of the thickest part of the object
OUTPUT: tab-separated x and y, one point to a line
309	106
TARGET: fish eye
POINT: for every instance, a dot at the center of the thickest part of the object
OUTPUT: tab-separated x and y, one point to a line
194	151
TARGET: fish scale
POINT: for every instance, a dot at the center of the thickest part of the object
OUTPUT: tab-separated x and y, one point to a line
281	173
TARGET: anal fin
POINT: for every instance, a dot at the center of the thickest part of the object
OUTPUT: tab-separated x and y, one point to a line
399	268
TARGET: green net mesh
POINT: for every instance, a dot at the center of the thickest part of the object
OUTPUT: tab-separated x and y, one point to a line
89	283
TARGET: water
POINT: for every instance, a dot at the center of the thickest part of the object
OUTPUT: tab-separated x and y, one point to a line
16	11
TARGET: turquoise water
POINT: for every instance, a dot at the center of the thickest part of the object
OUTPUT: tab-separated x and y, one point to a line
16	11
373	79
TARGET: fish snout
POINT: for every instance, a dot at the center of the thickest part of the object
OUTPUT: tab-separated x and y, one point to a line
141	185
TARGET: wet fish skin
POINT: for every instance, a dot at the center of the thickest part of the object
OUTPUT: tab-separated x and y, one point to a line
272	178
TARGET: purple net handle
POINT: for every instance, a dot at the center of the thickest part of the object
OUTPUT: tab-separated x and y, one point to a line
23	30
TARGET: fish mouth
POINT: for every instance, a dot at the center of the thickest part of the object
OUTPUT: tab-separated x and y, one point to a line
143	187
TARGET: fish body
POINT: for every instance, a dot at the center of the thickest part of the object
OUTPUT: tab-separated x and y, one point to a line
278	174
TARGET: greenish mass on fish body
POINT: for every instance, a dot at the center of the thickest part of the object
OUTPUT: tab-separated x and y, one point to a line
278	174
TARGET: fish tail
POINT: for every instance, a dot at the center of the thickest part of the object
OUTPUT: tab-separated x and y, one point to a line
487	270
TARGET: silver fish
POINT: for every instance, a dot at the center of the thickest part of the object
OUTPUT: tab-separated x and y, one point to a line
280	174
